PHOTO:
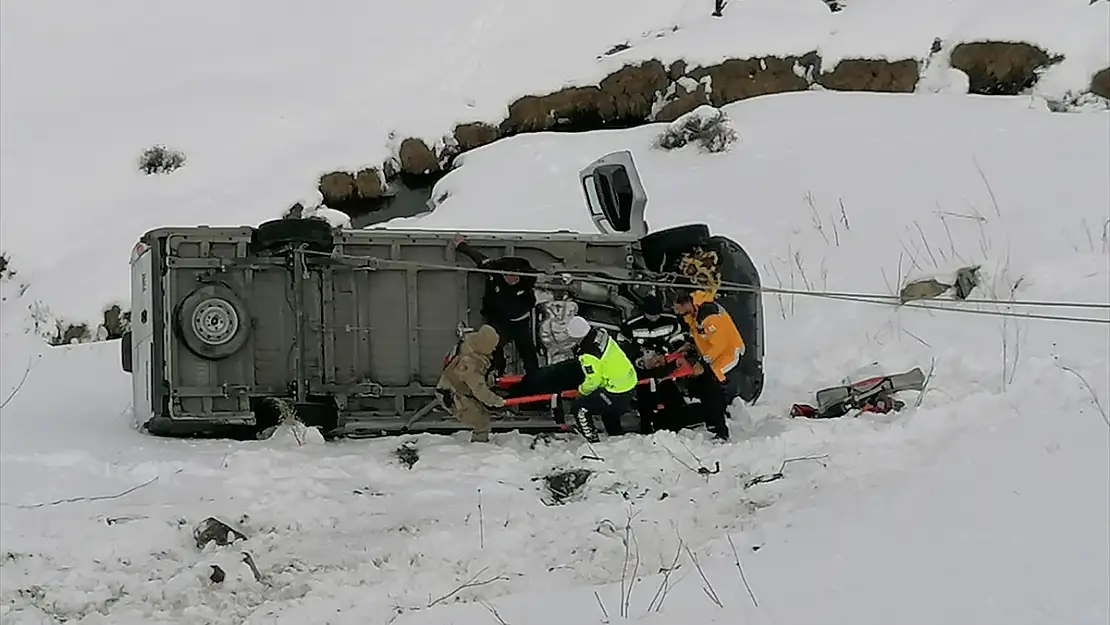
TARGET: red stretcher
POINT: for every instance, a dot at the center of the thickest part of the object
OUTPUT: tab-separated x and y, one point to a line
685	369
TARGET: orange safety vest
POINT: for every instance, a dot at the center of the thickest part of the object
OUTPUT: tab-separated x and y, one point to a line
715	335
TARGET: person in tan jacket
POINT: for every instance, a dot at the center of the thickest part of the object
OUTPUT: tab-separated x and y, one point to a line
463	386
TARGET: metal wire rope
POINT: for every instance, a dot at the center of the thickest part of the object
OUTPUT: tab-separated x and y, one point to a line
373	261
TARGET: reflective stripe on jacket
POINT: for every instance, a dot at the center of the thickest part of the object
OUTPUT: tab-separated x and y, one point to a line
604	365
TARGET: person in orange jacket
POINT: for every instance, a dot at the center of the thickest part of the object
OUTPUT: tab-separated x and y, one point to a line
720	347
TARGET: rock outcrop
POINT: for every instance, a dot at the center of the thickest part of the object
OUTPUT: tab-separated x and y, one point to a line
1100	83
624	98
355	192
475	135
1001	68
740	79
417	159
872	75
650	91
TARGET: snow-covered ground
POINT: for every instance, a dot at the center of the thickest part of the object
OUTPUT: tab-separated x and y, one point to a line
988	503
264	96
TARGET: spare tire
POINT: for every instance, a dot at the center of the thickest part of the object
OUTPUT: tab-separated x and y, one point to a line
212	322
315	234
661	250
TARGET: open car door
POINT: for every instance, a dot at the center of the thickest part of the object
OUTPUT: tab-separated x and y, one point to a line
617	201
614	194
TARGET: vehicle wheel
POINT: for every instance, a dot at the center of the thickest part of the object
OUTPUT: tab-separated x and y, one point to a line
212	322
164	427
272	235
661	249
319	414
159	426
749	382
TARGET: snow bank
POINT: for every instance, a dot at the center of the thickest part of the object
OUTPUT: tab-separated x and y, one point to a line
270	95
898	186
987	503
885	29
988	531
895	158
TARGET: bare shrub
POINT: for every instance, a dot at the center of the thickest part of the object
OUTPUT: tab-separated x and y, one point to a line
705	126
6	271
116	322
159	159
58	331
70	333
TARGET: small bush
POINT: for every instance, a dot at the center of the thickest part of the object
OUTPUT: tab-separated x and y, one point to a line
407	454
159	159
6	271
706	126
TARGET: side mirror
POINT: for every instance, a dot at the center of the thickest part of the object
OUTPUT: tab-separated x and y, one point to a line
615	196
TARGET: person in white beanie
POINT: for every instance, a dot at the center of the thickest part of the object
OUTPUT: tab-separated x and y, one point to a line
609	379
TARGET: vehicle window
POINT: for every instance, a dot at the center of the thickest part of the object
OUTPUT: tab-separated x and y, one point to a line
613	195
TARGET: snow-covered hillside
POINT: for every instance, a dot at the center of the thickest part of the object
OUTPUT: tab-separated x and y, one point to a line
985	504
263	97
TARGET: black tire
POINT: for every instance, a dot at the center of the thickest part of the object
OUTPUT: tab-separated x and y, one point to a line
315	234
319	414
661	250
748	381
212	322
160	426
746	309
163	427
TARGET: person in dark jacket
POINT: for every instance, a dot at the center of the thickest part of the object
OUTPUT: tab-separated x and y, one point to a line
507	304
649	337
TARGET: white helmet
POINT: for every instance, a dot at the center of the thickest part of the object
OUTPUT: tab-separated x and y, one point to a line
578	327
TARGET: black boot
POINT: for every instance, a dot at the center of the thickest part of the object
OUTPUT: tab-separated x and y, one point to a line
584	423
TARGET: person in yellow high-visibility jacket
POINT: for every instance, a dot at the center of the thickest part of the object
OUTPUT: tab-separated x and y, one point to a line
608	380
720	346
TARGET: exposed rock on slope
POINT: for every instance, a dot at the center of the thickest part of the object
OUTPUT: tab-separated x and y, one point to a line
475	135
1100	83
352	193
417	159
871	75
740	79
1001	68
650	91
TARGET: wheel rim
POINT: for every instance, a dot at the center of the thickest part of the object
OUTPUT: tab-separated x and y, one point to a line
215	321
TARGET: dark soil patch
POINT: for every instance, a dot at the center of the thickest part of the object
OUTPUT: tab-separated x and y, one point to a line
563	486
215	530
407	455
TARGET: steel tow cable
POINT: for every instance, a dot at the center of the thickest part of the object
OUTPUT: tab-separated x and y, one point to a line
867	298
